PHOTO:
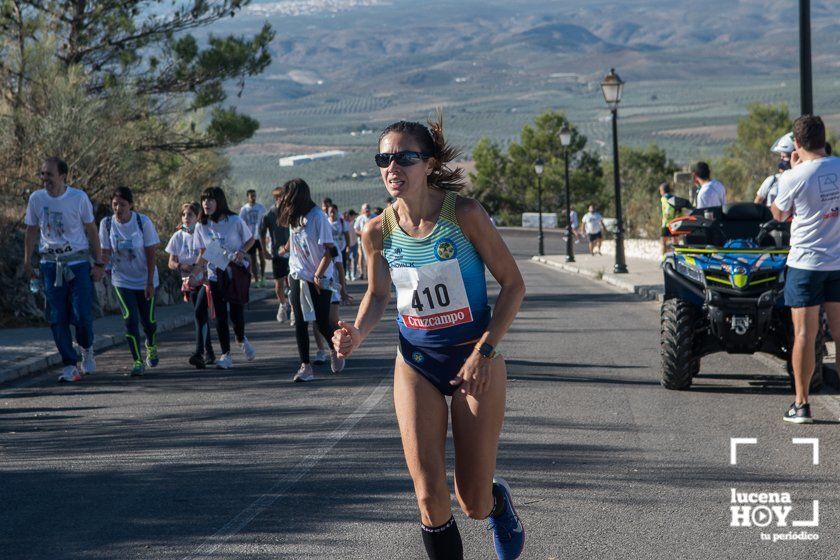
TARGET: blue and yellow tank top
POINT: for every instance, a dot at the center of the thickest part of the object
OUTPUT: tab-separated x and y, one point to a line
441	289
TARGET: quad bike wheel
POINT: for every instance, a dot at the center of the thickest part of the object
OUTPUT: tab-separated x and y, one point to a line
677	328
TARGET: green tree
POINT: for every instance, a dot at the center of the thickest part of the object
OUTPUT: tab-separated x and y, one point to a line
508	182
749	161
642	171
145	43
489	182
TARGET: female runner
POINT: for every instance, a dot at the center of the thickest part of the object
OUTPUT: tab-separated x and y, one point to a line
433	244
183	256
217	223
129	242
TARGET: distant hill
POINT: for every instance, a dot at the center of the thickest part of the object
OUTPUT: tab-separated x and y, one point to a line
691	67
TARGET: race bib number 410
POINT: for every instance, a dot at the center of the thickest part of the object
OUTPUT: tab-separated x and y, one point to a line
432	297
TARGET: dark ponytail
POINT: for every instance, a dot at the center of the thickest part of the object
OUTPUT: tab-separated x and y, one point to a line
432	141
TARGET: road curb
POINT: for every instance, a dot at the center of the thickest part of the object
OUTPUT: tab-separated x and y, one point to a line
102	341
650	292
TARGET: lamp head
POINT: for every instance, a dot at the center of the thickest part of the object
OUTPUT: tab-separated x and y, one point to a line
612	87
565	136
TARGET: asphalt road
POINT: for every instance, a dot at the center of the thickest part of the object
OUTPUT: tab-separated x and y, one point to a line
603	462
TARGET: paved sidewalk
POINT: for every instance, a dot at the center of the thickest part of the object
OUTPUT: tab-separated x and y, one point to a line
644	277
29	350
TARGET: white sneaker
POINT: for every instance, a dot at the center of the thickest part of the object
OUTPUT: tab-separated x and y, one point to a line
281	314
292	320
248	350
320	357
69	374
88	361
304	373
225	362
336	363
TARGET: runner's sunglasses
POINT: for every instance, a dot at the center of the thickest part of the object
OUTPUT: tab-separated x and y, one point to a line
403	159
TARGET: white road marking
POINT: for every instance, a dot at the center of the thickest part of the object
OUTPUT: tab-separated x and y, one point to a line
285	482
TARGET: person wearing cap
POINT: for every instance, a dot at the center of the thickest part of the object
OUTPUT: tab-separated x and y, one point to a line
810	192
769	189
711	192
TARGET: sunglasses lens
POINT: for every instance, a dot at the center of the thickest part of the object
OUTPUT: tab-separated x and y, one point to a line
403	159
406	159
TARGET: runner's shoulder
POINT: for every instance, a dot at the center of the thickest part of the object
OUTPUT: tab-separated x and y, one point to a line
469	209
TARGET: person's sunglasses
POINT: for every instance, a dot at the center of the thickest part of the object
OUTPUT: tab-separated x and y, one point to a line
403	159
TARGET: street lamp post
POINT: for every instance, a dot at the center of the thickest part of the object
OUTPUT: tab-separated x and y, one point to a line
538	168
612	87
565	141
805	83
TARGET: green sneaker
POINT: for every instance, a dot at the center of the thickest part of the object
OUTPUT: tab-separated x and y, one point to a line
152	356
138	369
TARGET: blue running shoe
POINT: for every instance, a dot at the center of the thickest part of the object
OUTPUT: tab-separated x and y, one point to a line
151	356
508	532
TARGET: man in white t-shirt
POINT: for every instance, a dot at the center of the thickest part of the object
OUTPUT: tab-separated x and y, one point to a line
59	219
252	213
810	191
711	191
359	226
593	226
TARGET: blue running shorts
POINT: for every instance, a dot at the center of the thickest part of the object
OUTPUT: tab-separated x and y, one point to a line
807	288
439	365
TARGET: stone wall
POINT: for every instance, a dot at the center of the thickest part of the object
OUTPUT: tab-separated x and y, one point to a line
645	249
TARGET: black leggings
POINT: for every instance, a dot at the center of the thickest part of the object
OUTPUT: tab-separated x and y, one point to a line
198	298
136	310
321	303
237	316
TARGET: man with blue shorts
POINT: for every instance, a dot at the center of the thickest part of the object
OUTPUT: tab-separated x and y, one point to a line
810	192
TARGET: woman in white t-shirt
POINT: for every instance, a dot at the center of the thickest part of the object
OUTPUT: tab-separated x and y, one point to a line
183	256
129	241
339	282
312	251
227	237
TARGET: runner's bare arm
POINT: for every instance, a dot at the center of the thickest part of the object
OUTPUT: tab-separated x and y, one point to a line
29	242
379	280
150	251
779	215
476	225
93	238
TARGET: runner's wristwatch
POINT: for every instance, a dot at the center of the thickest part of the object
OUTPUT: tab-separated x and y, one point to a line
486	350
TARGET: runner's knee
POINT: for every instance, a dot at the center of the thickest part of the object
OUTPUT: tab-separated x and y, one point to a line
434	506
475	502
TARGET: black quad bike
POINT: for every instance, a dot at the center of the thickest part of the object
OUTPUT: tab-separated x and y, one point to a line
724	291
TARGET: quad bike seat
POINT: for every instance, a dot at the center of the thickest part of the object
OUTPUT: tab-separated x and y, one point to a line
739	220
